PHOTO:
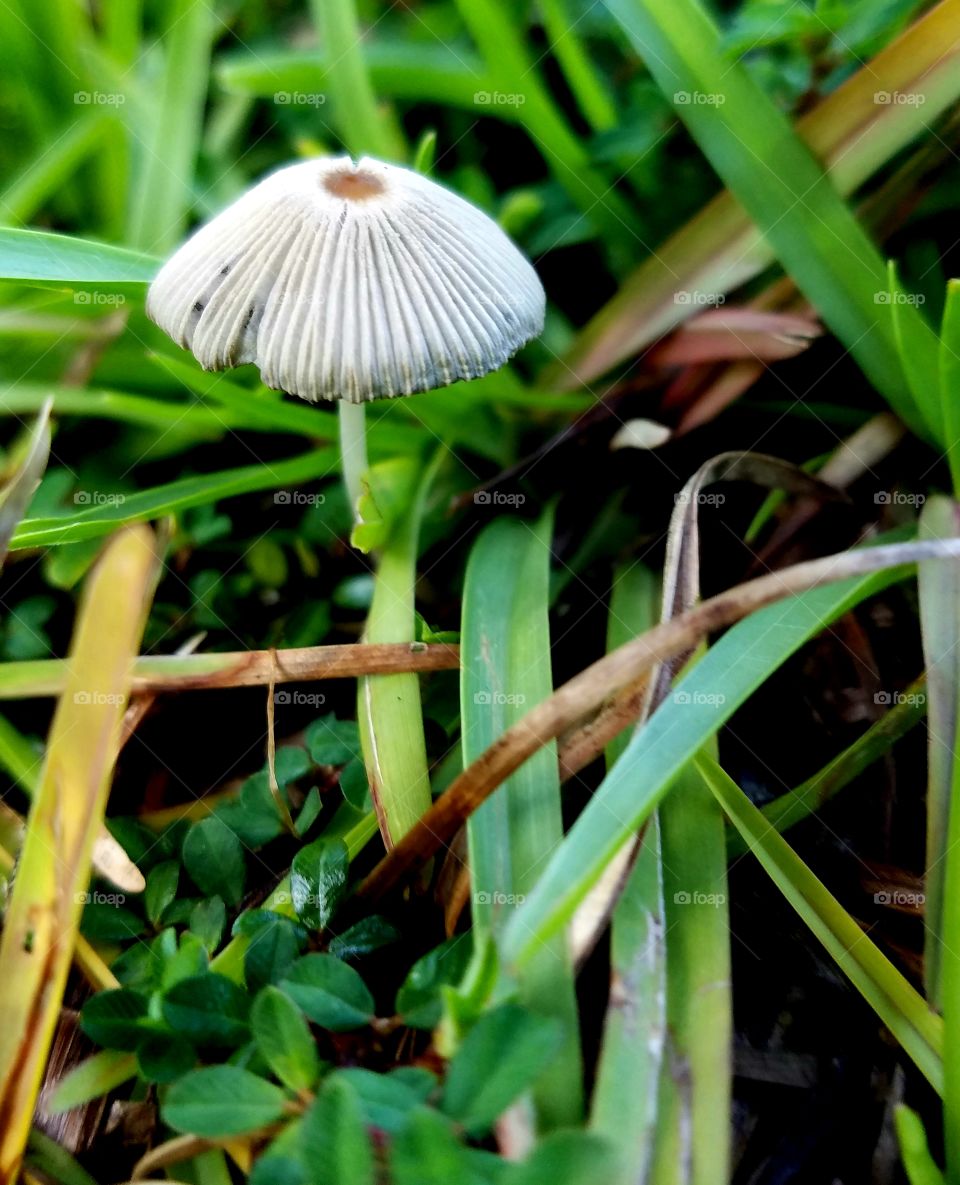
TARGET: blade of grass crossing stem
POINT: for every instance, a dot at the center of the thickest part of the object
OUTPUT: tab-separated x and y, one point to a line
939	593
388	706
506	670
164	177
898	1005
624	1105
814	234
739	663
54	868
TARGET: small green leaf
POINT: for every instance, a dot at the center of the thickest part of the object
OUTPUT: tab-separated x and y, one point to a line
105	922
290	763
222	1101
500	1057
162	881
426	1152
213	856
208	1009
419	1000
388	1099
310	811
363	938
180	961
284	1038
318	878
333	1135
331	993
354	785
163	1057
332	741
275	943
116	1019
207	920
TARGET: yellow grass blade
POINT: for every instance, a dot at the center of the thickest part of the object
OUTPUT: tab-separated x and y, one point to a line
40	929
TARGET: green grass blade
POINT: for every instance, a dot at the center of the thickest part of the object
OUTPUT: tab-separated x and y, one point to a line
173	497
949	380
807	798
919	1165
496	29
63	261
624	1104
759	156
697	1071
735	667
26	193
720	248
898	1005
424	72
164	177
506	670
361	126
939	592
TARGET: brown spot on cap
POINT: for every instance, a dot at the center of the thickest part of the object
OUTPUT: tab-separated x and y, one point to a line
356	185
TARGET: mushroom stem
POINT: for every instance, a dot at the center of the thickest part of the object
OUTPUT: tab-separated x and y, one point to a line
353	449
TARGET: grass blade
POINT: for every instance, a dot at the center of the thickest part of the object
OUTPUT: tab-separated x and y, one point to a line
63	261
898	1005
164	176
176	495
505	667
795	206
44	911
720	248
739	663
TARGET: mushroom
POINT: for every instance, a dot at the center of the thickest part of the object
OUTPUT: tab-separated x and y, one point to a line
352	281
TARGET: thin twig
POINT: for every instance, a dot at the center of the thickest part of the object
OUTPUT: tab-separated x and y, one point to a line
588	690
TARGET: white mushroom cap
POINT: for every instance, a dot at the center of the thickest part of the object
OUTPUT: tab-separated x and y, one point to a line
345	280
